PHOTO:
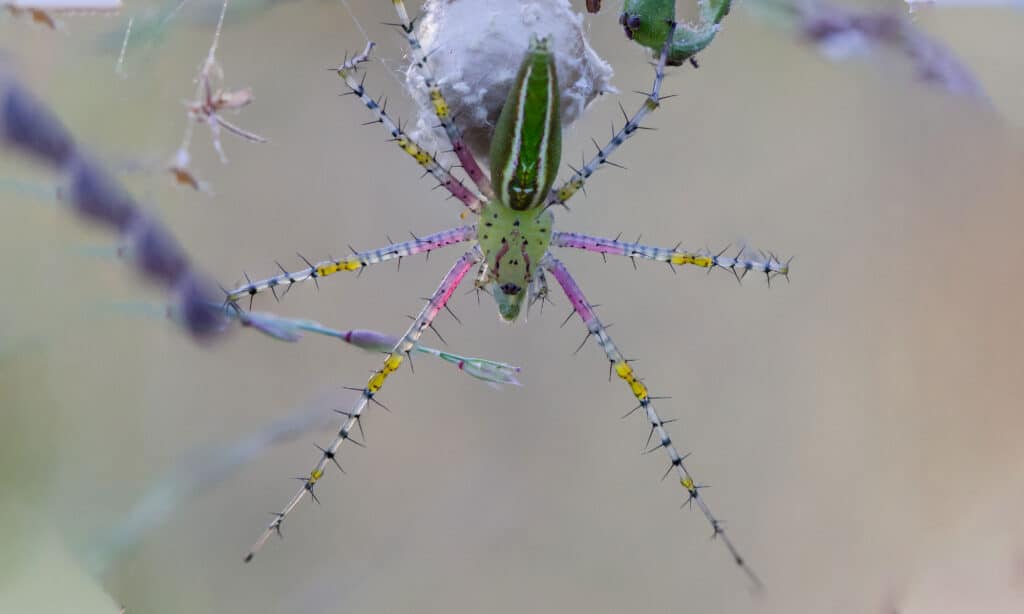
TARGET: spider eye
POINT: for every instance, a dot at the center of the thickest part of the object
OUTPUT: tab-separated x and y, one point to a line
511	289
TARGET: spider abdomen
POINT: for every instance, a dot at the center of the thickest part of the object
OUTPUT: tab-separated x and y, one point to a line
527	144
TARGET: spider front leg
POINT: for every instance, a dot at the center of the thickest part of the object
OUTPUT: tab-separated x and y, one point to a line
394	359
625	371
355	262
563	193
740	265
441	108
429	163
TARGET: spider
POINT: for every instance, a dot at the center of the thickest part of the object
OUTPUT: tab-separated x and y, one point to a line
511	241
207	109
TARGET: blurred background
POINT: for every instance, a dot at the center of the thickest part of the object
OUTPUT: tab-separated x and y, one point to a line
860	426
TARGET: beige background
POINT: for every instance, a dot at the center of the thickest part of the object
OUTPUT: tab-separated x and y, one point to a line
861	425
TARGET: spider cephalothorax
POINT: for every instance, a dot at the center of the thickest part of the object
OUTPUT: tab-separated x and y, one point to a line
513	243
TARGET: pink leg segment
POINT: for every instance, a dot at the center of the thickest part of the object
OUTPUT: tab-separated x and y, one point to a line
740	265
625	371
425	159
357	261
391	363
441	109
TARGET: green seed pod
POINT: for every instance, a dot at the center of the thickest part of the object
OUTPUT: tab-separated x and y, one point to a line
647	23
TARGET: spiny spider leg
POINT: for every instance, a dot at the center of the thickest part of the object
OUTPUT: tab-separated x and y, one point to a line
356	261
625	371
739	265
537	291
563	193
393	360
441	108
423	158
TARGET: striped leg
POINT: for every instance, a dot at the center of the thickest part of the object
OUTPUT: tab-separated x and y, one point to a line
441	109
742	264
347	71
626	373
354	262
391	363
563	193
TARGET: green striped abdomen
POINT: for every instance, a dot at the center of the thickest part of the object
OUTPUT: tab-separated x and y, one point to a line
527	144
